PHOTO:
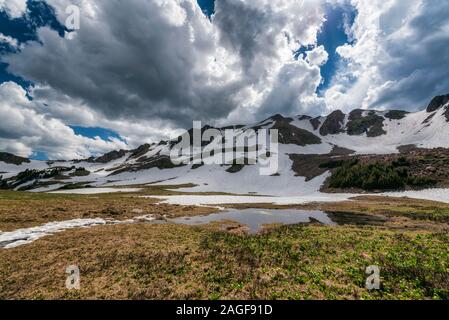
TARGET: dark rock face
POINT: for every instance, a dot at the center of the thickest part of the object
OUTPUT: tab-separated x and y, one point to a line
429	118
235	168
12	159
32	175
192	131
279	117
446	114
140	151
333	124
236	127
372	124
356	114
289	134
316	123
160	162
111	156
396	114
438	102
304	118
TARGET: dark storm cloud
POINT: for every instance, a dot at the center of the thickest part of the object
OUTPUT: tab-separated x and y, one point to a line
166	60
248	30
144	68
420	61
400	58
131	61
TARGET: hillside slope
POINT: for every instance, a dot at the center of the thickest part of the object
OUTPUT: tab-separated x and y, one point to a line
305	143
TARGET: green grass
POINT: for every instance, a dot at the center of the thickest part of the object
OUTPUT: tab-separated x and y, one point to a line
144	261
25	196
376	175
310	262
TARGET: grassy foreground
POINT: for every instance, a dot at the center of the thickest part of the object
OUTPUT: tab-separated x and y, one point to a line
144	261
26	210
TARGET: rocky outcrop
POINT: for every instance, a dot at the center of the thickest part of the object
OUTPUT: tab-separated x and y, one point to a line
396	114
333	123
446	113
371	124
160	162
140	151
12	159
110	156
305	117
316	123
438	102
289	134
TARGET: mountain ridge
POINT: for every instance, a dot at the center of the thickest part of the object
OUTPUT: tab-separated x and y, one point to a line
359	132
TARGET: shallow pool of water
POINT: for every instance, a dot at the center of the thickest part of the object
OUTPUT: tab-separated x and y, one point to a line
255	219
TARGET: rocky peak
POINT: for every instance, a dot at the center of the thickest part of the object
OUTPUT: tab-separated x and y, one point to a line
110	156
140	151
438	102
278	117
333	123
290	134
315	122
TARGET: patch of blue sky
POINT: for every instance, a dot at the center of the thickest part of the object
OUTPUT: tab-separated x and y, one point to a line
93	132
5	76
208	7
333	34
39	155
23	29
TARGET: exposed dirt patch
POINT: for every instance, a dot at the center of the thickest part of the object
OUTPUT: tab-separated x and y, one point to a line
314	165
340	151
308	165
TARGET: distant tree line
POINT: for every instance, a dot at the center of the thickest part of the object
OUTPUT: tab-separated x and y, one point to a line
375	175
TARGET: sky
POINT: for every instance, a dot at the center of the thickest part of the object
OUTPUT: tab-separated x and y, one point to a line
138	71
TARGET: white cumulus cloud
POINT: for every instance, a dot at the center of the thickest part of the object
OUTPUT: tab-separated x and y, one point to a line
14	8
24	130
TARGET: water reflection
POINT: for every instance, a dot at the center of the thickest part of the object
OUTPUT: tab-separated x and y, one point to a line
255	219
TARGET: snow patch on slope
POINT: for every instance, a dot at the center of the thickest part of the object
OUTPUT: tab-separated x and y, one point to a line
205	200
21	237
24	236
439	195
